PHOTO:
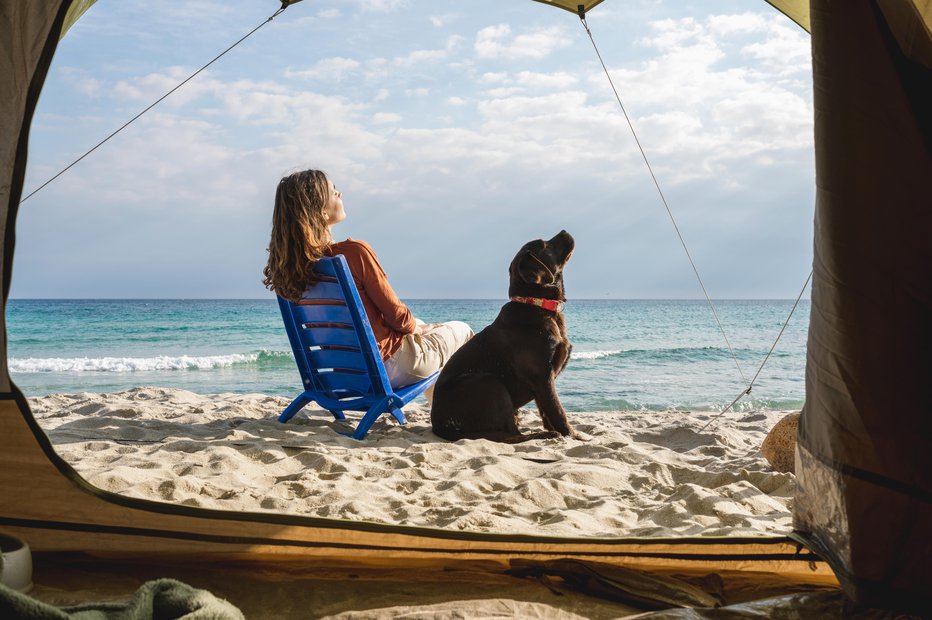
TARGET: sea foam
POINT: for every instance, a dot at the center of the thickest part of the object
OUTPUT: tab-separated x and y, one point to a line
593	355
128	364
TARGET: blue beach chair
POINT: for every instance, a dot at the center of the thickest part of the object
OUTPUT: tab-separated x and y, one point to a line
336	352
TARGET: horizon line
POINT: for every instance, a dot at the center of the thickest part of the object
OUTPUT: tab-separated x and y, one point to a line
569	300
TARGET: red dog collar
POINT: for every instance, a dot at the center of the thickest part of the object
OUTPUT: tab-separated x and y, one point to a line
547	304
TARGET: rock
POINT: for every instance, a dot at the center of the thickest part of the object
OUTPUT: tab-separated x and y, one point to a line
779	447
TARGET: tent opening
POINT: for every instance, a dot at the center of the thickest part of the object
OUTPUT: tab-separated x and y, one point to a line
126	403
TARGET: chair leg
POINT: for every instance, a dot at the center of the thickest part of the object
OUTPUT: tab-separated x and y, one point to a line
398	414
337	414
371	416
295	406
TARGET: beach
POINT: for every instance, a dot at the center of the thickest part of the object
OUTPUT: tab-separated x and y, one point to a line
640	473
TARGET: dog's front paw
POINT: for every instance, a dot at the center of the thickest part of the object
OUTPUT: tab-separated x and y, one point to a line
579	436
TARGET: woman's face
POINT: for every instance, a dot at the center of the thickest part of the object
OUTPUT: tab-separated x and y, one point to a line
333	210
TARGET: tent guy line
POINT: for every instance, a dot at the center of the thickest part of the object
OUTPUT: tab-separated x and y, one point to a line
582	19
285	5
766	357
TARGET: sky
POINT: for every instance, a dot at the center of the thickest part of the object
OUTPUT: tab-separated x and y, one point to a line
456	130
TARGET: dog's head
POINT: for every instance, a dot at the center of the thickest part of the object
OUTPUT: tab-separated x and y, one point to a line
537	269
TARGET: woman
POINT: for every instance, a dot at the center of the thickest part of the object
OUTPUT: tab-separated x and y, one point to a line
307	206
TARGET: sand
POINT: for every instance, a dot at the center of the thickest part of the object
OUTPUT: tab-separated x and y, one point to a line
639	474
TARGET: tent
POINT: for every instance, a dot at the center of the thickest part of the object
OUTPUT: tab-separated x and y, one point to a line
864	455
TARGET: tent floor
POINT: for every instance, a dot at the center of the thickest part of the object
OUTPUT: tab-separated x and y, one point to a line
302	590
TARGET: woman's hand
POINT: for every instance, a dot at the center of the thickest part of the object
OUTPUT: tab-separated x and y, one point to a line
422	327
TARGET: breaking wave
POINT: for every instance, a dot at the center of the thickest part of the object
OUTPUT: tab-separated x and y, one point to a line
663	355
144	364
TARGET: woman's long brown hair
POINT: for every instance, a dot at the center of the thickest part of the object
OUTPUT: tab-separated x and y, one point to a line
300	235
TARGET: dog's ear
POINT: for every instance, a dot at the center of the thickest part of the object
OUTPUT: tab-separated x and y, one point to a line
531	270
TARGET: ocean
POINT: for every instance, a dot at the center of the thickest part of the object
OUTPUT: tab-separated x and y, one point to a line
627	354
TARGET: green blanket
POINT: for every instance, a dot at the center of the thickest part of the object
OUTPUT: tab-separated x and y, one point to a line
161	599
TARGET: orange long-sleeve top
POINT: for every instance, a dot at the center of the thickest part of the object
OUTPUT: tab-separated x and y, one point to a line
390	318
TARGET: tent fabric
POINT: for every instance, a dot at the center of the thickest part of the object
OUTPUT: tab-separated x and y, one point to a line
573	6
75	11
910	21
29	34
864	477
797	10
865	440
25	53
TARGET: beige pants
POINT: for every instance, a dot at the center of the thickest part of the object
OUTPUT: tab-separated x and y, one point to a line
424	352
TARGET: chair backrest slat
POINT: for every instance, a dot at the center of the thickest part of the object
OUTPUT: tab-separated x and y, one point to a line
352	382
323	314
326	268
328	288
331	336
338	358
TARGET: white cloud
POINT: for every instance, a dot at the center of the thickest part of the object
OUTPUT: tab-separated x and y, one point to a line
457	101
502	91
196	11
440	21
311	125
493	78
376	66
88	86
454	42
522	137
785	50
417	92
418	57
497	42
81	81
421	56
556	81
382	118
784	45
299	128
671	33
301	23
383	6
335	68
691	107
151	87
490	38
162	162
738	22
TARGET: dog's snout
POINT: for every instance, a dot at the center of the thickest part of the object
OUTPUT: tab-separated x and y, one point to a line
562	237
563	243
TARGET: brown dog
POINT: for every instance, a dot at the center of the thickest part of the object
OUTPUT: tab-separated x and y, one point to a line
515	359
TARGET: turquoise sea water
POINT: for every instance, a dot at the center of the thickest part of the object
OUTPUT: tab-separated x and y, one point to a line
627	354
